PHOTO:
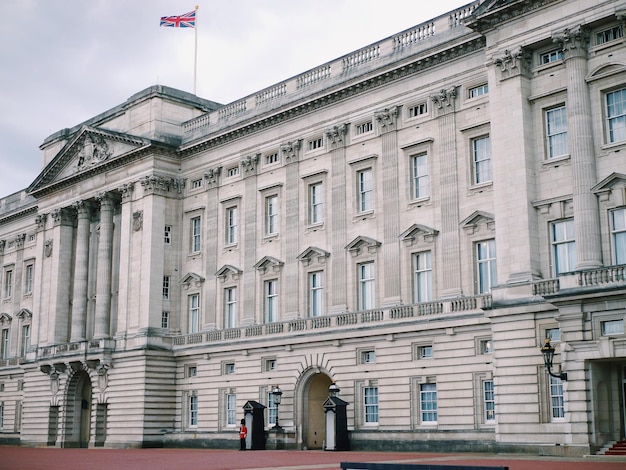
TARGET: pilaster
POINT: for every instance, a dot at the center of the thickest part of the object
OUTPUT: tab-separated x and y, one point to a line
81	272
249	310
291	153
211	242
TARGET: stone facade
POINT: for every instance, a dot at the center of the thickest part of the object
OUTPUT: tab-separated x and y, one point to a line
409	221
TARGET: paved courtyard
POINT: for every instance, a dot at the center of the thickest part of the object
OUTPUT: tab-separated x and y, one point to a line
23	458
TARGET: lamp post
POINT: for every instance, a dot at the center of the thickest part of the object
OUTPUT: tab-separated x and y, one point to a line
548	355
277	393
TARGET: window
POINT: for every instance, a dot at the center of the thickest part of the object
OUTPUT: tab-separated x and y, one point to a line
553	334
363	128
481	156
4	345
230	307
193	409
422	277
1	415
269	365
418	110
425	352
428	403
271	215
8	283
618	235
195	235
271	158
368	357
270	289
195	184
610	327
316	294
489	401
231	225
563	246
272	409
28	278
419	173
316	203
365	190
194	313
232	171
370	399
165	319
616	115
166	287
608	35
366	286
485	346
550	56
556	132
229	368
231	409
25	344
167	234
557	405
477	91
192	371
486	265
314	144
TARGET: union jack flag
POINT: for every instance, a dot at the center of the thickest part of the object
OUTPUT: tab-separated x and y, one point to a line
188	20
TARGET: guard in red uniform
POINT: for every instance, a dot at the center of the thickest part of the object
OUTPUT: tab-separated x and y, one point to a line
243	433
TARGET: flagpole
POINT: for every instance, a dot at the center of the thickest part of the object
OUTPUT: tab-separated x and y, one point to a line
195	56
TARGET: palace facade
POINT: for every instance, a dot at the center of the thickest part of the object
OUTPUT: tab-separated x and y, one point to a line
410	222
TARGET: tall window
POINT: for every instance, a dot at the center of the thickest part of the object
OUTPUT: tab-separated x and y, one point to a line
489	401
421	184
481	155
4	345
564	246
616	115
270	289
230	307
272	409
556	132
366	191
194	313
193	409
167	234
618	232
556	398
422	277
486	265
316	294
195	235
370	402
231	225
28	278
25	344
271	215
316	203
366	286
166	287
8	283
231	409
428	403
165	319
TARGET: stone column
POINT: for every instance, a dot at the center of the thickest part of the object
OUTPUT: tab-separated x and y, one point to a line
387	123
211	240
581	147
290	154
58	252
81	271
450	277
103	281
248	172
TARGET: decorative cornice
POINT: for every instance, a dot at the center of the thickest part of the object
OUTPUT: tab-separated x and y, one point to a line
492	13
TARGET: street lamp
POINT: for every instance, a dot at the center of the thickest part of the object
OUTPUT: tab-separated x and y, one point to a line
333	390
277	393
548	355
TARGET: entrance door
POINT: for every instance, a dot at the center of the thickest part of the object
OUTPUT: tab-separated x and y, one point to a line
315	417
623	401
78	416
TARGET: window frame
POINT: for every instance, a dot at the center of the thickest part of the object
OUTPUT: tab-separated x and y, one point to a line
316	297
620	118
484	285
556	139
315	193
193	313
270	300
5	343
567	242
557	399
167	234
271	215
231	225
476	91
195	232
29	277
618	236
419	273
192	409
371	405
231	307
428	395
420	182
489	401
365	190
366	289
8	282
481	161
167	282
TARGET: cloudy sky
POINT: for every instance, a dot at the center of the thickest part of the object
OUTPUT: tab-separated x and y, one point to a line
64	61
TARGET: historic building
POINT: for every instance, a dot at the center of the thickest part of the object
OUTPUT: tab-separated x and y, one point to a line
410	221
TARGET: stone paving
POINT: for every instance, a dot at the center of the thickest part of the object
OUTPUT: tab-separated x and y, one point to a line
28	458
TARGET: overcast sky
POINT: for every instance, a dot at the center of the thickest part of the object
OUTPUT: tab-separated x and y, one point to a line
65	61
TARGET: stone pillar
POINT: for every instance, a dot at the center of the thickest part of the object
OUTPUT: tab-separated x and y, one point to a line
387	123
212	239
128	287
574	42
450	277
58	252
248	172
290	153
103	281
81	271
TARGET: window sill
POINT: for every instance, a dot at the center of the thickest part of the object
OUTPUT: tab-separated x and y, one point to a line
419	202
364	215
556	161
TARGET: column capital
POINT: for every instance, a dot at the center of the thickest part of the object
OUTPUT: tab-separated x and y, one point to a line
83	208
336	134
249	164
212	177
444	100
513	63
290	150
573	41
40	220
61	216
126	191
387	118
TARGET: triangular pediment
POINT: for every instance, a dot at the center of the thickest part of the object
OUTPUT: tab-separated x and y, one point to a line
418	233
313	253
5	318
491	13
24	314
228	270
361	242
614	180
89	150
190	279
268	262
477	218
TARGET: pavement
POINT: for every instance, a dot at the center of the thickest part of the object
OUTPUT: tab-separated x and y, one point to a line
52	458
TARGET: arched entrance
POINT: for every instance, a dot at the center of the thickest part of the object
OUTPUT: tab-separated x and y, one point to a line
315	392
78	413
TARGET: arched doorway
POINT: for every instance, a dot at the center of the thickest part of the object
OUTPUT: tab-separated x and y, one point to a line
78	413
315	393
